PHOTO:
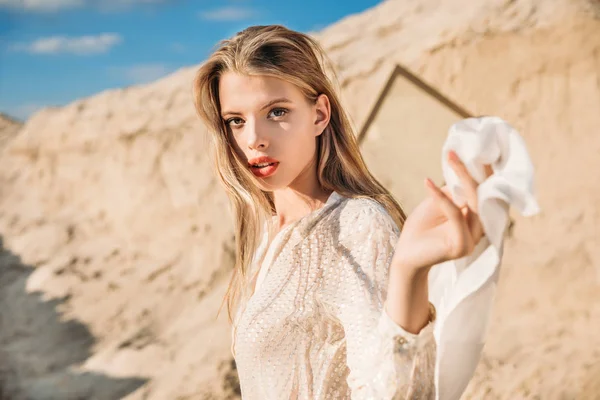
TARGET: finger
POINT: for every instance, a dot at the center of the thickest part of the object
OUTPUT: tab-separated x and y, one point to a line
469	184
465	210
488	170
446	190
458	244
447	205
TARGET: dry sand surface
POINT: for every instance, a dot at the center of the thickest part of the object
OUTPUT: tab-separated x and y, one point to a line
8	129
116	241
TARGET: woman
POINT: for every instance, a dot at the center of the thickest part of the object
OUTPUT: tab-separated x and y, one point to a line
330	299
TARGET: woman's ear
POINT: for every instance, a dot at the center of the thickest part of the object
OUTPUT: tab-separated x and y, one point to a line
323	113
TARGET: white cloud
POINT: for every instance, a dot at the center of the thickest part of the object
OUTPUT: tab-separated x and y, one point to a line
142	73
82	45
121	5
132	2
229	13
40	5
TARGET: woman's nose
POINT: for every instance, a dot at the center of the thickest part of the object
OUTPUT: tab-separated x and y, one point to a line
255	139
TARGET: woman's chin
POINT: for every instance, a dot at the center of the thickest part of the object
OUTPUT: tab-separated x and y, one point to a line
269	184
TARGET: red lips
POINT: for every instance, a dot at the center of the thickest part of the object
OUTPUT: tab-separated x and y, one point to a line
261	160
267	167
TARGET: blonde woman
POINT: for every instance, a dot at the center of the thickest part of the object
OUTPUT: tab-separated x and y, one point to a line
329	296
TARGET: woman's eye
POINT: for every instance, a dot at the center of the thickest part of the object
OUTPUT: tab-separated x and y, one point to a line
234	121
278	112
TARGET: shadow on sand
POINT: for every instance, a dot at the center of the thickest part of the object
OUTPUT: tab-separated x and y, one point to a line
40	351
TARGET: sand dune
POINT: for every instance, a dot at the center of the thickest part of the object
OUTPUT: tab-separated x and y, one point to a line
8	129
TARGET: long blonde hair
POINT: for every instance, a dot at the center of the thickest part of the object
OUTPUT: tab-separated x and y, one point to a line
276	51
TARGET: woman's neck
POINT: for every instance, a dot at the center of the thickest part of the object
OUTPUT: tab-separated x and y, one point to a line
292	205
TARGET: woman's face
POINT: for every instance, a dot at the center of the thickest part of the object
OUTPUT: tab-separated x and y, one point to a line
271	117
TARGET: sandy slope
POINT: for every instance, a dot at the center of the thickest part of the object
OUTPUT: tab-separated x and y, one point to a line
8	129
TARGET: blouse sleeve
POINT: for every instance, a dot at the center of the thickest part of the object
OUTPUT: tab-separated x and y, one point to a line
385	361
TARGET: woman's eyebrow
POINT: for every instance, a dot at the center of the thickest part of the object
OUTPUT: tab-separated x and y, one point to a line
275	101
270	103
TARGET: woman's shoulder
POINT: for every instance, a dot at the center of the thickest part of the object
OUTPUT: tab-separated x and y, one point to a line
363	214
363	207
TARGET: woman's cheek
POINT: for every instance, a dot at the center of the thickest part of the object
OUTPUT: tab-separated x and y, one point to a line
237	147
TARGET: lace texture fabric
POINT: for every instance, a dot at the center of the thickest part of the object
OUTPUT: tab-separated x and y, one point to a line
316	327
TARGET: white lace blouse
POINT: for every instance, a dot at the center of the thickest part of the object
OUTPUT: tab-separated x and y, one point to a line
315	326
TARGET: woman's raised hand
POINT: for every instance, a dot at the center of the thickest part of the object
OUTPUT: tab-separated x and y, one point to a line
439	229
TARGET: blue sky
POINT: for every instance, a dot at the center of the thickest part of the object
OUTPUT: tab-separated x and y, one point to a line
53	52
